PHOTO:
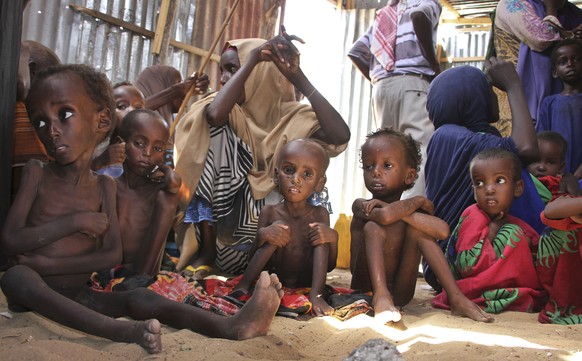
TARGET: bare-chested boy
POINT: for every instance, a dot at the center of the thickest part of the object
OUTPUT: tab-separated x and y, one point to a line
63	226
294	238
390	235
146	191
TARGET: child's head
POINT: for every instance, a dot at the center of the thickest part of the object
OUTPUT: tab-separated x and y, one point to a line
145	133
71	107
552	161
567	61
229	63
127	98
301	169
496	178
391	161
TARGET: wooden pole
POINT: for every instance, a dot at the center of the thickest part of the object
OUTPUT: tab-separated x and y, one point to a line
160	27
202	67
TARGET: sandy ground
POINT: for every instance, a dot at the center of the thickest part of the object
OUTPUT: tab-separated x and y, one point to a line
424	334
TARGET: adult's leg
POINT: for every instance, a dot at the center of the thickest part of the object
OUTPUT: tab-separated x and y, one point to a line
23	286
413	119
251	321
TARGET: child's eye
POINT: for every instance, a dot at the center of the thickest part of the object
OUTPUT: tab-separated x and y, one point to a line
121	106
139	143
501	180
288	170
478	183
65	114
367	167
387	165
158	149
308	174
40	124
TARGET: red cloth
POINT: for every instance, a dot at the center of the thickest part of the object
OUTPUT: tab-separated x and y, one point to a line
25	142
497	274
559	268
383	39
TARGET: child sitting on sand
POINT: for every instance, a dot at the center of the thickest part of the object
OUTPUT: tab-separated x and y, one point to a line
490	251
390	235
63	226
294	238
147	185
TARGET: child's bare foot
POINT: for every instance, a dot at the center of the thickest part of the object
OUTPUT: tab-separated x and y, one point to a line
255	318
464	307
148	334
384	309
320	307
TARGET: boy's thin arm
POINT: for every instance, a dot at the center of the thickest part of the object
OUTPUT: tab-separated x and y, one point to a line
505	77
426	223
563	207
17	238
388	213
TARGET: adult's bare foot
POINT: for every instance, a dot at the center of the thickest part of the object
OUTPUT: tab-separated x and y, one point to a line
464	307
255	318
384	309
148	334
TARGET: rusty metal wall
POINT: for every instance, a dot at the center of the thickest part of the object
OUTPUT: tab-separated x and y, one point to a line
122	54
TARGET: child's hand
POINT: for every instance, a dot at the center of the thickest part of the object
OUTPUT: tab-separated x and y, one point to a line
569	184
93	224
200	83
501	74
160	174
320	233
427	206
277	234
116	152
368	206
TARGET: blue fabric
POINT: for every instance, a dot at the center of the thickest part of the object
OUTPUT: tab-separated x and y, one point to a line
563	114
198	210
535	68
459	104
114	171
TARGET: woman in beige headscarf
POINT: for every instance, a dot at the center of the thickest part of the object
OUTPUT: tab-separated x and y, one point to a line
227	143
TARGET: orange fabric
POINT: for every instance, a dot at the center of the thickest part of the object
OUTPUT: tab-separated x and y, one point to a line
25	142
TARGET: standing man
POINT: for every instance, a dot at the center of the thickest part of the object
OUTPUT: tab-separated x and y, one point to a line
397	54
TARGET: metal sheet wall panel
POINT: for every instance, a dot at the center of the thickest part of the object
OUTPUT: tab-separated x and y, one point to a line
122	54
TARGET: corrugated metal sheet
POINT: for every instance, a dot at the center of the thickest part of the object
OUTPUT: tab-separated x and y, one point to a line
122	54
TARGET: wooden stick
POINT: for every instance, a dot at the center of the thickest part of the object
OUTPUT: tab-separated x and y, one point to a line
162	19
202	67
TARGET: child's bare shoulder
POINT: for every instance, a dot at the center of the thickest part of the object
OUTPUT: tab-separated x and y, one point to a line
320	214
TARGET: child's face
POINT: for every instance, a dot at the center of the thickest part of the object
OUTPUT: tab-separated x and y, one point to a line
568	64
494	186
386	172
146	145
551	160
127	98
67	120
301	171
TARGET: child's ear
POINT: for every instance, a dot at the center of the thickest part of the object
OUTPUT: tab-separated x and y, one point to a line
518	188
410	176
554	73
275	178
321	184
104	125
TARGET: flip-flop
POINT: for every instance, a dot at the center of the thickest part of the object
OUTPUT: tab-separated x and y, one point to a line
194	270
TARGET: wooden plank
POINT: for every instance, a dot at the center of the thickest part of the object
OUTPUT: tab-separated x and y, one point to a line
160	26
450	7
141	31
462	59
468	21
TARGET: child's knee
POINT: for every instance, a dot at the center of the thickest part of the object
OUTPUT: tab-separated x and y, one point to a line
372	230
17	280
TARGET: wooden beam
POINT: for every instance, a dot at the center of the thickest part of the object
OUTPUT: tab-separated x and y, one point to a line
467	21
450	7
160	26
461	59
141	31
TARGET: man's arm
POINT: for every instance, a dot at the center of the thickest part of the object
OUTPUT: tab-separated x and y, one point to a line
423	27
361	56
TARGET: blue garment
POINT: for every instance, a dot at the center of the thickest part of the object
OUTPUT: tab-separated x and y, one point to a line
114	170
535	68
459	105
563	114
